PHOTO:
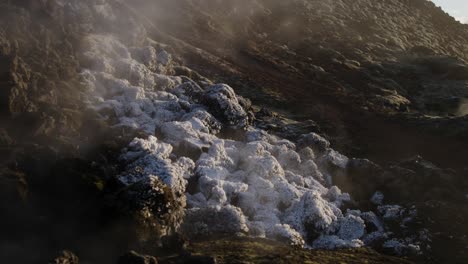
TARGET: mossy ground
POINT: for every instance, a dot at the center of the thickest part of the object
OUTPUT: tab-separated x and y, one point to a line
249	250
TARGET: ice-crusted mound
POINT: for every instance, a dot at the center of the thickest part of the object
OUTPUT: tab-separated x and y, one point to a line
125	88
277	190
258	185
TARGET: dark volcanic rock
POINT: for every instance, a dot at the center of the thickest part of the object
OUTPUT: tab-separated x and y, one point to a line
5	139
412	180
57	156
198	259
419	176
174	243
134	258
153	206
13	189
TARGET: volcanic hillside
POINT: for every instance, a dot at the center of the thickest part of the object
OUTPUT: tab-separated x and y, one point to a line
208	131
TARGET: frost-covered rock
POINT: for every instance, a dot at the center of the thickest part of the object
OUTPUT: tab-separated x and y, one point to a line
186	135
146	55
262	184
335	195
334	242
399	247
148	157
334	159
224	103
372	221
307	154
391	212
208	221
377	198
351	227
278	203
312	212
315	142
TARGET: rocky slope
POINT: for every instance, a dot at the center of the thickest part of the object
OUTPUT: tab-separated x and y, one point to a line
335	60
118	131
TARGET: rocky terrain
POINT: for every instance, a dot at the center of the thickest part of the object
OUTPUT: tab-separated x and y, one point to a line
232	131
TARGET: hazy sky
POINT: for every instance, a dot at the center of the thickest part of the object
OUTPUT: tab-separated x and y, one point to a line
456	8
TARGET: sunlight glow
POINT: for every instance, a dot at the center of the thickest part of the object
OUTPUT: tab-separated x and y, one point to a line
456	8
